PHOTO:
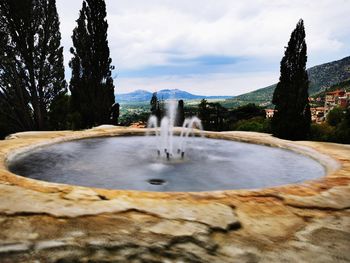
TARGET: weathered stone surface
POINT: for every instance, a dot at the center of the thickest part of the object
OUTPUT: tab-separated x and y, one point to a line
47	222
50	244
177	228
12	248
334	198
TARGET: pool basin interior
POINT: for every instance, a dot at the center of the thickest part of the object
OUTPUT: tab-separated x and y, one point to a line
132	163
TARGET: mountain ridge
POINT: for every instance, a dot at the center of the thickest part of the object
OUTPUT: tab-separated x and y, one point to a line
321	77
165	94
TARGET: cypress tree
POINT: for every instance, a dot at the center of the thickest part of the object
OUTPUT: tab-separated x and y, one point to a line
31	63
293	118
114	114
204	113
91	84
154	103
180	113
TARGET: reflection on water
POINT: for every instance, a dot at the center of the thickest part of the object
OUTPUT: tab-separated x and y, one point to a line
131	162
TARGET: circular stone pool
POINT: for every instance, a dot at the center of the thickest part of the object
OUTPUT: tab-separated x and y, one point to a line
132	163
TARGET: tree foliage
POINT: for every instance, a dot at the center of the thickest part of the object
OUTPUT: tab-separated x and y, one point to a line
180	113
31	63
154	103
156	106
293	118
91	83
60	116
213	115
342	132
246	112
255	124
335	116
114	114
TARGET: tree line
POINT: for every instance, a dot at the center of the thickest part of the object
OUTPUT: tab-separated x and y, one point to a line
214	116
33	90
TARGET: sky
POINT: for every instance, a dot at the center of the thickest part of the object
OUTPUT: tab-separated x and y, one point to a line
210	47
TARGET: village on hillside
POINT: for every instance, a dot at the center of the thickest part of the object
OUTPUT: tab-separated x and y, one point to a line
321	106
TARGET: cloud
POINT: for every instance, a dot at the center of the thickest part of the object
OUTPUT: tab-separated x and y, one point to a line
155	38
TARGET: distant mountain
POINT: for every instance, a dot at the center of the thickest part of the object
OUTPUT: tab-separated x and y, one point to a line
321	77
137	95
143	95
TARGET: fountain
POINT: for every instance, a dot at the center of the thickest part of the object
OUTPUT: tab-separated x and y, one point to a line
165	133
180	162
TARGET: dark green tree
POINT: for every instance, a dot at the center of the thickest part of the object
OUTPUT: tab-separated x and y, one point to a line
293	118
91	83
203	113
59	113
180	113
245	112
335	116
154	103
342	132
157	107
31	63
114	114
213	115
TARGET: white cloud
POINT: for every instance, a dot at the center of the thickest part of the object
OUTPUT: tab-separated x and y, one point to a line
150	33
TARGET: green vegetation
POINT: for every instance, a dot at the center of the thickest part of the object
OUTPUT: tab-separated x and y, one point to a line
256	124
131	112
156	106
292	118
59	111
335	116
249	117
115	112
321	132
214	116
335	129
261	97
91	84
31	64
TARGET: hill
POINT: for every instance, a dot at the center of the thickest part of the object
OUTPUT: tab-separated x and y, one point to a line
165	94
321	77
341	85
135	96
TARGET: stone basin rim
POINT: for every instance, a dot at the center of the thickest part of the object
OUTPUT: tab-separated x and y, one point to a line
330	164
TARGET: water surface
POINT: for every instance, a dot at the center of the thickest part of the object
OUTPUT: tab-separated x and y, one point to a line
132	163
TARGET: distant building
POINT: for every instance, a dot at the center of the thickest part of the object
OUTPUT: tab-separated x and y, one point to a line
139	124
317	114
338	98
343	102
269	113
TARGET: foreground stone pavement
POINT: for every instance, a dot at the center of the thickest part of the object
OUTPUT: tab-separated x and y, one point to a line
47	222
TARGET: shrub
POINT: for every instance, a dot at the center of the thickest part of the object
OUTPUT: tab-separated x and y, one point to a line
335	116
342	132
322	132
257	124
